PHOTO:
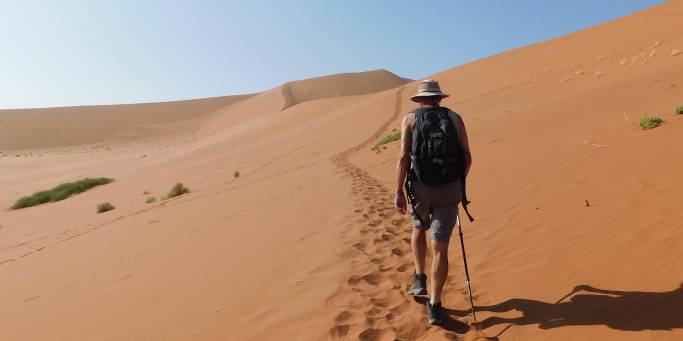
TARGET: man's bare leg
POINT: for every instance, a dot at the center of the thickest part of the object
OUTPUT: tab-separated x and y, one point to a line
439	270
418	241
419	245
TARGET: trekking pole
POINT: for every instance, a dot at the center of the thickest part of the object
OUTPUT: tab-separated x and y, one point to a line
467	272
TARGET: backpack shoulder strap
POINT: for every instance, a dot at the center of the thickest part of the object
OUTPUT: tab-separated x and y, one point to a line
415	130
455	118
419	116
419	111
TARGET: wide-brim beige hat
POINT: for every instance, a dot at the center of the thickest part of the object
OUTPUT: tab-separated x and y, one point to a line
428	88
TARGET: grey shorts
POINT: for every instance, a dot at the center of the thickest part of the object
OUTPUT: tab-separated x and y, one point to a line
438	208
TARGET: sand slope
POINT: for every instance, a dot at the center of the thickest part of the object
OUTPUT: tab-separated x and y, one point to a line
305	244
549	132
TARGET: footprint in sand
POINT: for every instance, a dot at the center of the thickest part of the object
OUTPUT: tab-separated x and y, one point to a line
376	260
370	334
375	312
375	223
366	230
397	222
343	316
359	246
340	330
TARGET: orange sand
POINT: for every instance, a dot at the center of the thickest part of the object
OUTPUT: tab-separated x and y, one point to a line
305	244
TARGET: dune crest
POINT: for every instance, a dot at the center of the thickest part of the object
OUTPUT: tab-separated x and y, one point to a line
343	84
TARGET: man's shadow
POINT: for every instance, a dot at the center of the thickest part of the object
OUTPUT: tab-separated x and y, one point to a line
623	310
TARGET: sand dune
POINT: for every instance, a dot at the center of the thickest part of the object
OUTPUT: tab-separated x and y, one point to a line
75	126
578	227
293	93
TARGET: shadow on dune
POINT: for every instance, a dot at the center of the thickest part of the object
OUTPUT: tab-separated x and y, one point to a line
623	310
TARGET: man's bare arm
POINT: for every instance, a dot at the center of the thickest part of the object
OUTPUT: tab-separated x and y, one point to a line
404	156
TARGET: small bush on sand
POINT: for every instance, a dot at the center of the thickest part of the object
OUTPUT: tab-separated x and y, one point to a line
60	192
151	200
104	207
178	189
650	122
236	174
679	110
387	139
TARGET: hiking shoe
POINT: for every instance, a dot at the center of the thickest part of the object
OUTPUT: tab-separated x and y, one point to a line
435	314
419	286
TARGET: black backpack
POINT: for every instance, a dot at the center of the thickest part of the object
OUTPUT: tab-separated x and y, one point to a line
437	155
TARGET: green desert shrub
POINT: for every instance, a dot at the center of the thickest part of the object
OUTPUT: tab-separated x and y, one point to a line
236	174
104	207
387	139
151	200
650	122
178	189
60	192
679	110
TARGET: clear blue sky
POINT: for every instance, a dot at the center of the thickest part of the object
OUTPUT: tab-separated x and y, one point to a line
55	53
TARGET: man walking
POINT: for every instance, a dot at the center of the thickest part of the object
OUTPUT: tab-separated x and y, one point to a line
434	160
